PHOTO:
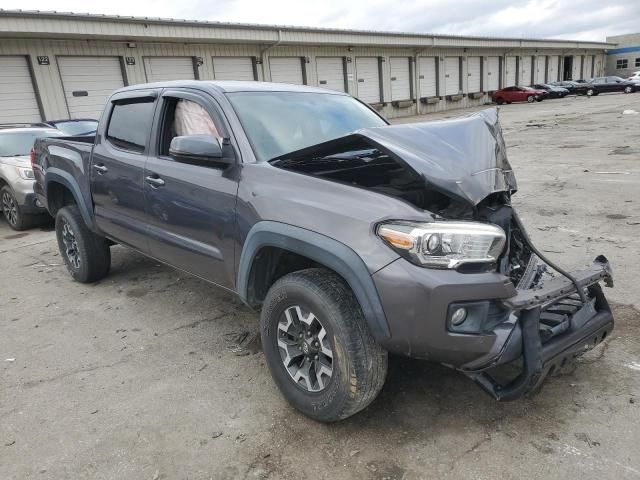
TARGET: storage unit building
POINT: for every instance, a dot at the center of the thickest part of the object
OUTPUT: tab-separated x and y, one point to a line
57	65
18	101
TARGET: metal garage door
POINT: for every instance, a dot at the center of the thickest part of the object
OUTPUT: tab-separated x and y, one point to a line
525	71
451	75
88	82
474	75
400	78
539	74
330	71
577	62
510	72
18	102
163	69
493	73
233	68
552	73
427	76
588	67
286	70
368	75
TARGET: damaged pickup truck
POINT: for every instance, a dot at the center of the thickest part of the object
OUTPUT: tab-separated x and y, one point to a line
354	238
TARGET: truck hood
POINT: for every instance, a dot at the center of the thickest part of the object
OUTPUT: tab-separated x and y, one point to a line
465	157
17	161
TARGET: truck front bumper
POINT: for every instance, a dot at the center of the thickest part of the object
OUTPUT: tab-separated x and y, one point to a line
417	314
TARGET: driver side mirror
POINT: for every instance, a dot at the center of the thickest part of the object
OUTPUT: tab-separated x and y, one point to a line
201	150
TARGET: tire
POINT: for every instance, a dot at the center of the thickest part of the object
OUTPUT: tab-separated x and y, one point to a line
356	368
590	92
499	101
13	213
628	89
530	98
86	255
539	99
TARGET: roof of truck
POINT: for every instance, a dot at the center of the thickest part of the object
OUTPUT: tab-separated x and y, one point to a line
228	86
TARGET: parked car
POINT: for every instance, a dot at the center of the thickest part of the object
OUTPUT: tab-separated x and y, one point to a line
518	94
574	88
353	237
552	90
634	76
610	84
18	201
72	127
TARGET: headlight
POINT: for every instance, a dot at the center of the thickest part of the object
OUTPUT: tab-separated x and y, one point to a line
25	173
444	244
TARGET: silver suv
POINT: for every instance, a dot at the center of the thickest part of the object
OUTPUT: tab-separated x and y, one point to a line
17	200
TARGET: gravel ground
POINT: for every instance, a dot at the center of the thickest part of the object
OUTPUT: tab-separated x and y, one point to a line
141	376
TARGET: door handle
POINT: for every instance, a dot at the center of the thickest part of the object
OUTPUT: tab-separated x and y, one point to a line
101	169
155	182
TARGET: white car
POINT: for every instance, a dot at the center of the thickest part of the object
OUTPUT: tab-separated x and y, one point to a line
17	200
635	77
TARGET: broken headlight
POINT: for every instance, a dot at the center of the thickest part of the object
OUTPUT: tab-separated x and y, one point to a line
444	244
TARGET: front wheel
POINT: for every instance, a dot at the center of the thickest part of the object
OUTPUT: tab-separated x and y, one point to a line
628	89
530	98
499	101
318	347
86	255
590	92
13	214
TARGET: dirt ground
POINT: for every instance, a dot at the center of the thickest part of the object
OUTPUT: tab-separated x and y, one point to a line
140	376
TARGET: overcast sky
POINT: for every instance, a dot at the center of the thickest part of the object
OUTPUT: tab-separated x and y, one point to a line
569	19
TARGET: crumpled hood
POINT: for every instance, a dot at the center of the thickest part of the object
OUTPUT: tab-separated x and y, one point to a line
17	161
464	156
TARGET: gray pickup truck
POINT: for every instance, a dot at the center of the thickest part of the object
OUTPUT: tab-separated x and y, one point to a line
353	237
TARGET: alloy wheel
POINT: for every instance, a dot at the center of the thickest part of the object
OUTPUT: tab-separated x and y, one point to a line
70	246
305	349
10	208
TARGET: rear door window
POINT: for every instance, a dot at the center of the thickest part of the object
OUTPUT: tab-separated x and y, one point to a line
130	124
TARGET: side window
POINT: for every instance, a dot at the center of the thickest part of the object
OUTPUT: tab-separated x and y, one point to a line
185	117
129	125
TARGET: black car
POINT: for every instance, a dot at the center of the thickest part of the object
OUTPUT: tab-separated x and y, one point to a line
575	88
610	84
553	91
72	127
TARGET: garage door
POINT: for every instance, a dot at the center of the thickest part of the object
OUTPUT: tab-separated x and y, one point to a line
88	82
493	73
330	71
552	73
163	69
510	72
451	75
286	70
233	68
474	75
18	102
427	76
539	74
400	78
368	75
577	62
525	71
588	67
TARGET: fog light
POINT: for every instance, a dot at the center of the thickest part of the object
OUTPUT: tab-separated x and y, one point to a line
458	316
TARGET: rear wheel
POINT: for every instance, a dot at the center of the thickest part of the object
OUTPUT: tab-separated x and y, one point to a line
499	101
628	89
531	99
16	218
590	92
86	255
318	347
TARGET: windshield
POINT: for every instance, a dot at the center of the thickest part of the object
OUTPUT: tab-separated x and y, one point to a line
78	127
13	144
281	122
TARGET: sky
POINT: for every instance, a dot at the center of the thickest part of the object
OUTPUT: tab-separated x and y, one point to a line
567	19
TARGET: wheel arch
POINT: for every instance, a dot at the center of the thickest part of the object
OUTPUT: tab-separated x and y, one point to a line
305	249
61	190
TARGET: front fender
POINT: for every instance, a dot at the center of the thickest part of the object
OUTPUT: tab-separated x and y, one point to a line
323	250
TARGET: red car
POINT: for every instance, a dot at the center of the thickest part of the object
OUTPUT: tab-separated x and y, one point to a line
518	94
